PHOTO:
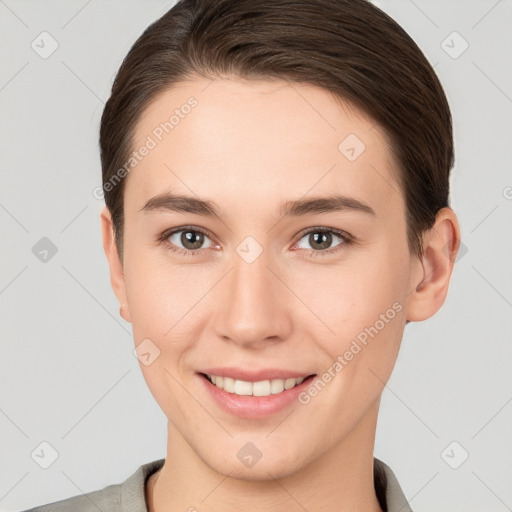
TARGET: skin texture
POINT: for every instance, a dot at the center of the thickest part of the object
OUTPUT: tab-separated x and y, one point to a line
249	146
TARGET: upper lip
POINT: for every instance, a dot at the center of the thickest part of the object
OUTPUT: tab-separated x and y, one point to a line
255	375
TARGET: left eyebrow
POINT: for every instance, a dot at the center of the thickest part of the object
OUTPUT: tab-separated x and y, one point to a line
333	203
314	205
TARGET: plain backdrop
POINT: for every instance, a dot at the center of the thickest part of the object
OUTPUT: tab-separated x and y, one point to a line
68	376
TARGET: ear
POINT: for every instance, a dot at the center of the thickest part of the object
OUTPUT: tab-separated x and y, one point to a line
432	272
116	268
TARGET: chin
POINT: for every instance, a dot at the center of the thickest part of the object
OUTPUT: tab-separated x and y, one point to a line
260	468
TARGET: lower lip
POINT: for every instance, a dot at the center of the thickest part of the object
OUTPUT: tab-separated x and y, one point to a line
250	406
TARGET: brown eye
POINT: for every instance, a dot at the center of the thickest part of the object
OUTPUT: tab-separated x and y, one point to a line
191	239
321	240
187	239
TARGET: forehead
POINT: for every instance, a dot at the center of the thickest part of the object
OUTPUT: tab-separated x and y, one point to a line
258	137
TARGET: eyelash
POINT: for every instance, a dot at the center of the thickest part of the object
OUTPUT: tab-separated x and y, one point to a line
345	237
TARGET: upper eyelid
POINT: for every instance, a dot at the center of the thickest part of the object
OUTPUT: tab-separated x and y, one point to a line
324	229
169	232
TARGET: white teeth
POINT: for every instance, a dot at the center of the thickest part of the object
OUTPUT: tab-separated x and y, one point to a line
289	383
243	388
261	388
228	384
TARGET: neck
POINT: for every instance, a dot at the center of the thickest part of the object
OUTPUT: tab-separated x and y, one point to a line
340	479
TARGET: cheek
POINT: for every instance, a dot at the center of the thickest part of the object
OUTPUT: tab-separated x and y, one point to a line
362	315
161	301
159	295
350	297
361	353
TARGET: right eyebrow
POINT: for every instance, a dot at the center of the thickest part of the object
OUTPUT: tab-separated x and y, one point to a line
181	203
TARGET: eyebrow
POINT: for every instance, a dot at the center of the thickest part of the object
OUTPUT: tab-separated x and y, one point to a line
315	205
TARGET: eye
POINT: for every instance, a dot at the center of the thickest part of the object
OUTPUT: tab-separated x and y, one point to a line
321	240
186	240
189	240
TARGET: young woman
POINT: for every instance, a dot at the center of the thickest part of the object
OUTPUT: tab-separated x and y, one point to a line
276	179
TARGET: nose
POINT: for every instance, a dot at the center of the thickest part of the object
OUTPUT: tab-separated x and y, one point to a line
254	304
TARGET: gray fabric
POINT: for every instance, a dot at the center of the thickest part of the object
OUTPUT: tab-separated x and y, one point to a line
128	496
395	498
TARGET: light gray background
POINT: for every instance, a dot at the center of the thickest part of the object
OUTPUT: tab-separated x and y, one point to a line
67	372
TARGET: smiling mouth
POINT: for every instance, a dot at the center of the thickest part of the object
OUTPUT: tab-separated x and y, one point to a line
260	388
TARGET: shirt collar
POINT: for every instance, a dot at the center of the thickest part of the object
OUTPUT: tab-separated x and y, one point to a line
133	489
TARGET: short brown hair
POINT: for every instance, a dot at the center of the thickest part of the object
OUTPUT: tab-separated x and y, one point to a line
348	47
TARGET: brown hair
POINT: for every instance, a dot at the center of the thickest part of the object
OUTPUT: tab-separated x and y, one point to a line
348	47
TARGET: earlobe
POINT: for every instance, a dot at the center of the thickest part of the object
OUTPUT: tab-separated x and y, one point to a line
124	312
117	279
432	274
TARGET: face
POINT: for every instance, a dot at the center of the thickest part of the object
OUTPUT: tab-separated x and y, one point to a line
269	279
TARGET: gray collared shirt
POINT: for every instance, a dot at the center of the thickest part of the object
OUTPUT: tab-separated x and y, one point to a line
129	496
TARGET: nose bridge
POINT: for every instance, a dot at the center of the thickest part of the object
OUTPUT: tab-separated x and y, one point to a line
252	307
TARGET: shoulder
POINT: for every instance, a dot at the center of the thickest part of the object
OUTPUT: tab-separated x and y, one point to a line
108	498
389	492
121	497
